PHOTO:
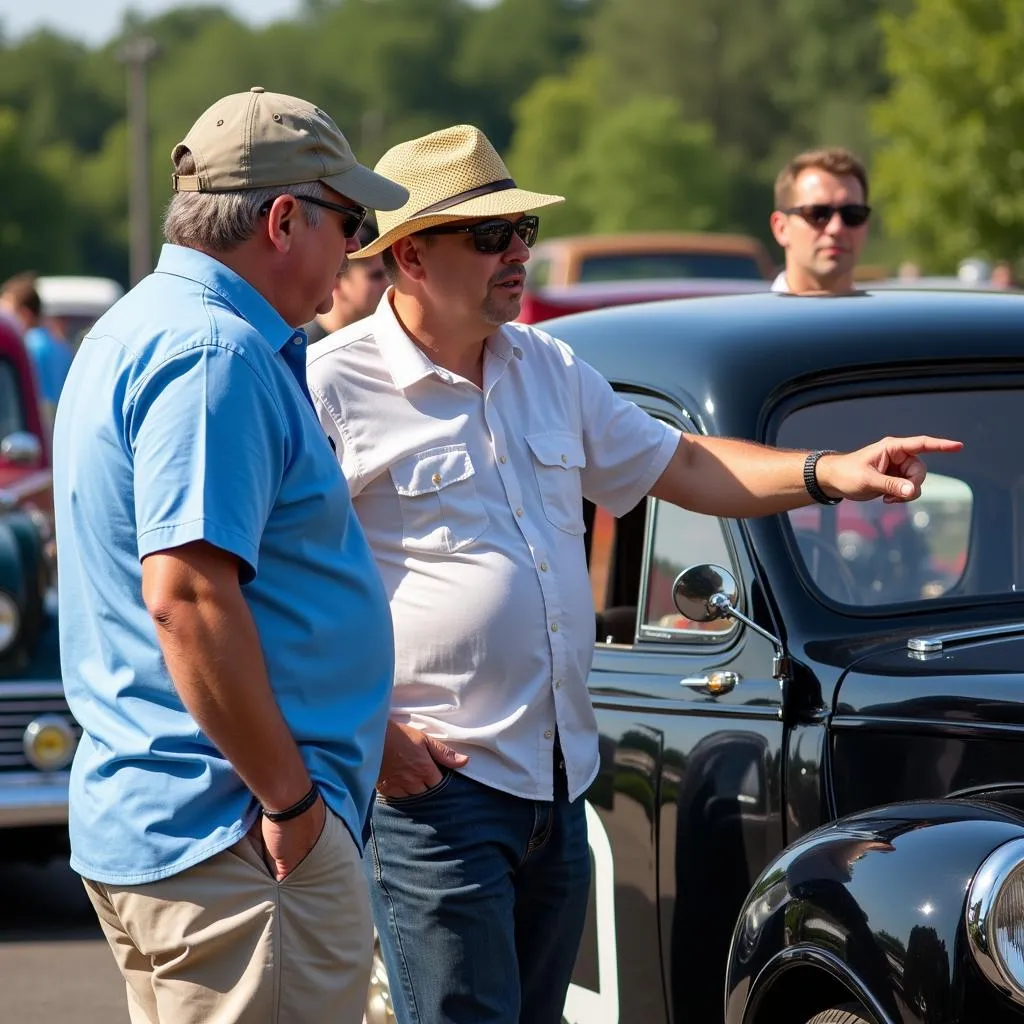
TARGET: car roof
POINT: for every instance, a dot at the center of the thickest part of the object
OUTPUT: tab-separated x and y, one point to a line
650	289
73	295
743	348
643	241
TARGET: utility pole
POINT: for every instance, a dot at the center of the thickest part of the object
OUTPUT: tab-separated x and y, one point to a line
136	53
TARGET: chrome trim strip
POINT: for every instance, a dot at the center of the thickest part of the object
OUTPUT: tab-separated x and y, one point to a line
30	688
33	798
682	706
981	901
935	643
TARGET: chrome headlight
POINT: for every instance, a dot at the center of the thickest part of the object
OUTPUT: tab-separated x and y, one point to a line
10	621
49	743
995	918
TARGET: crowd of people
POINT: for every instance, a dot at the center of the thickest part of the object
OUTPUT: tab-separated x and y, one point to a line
325	615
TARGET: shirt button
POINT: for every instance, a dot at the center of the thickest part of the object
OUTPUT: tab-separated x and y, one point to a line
548	734
296	340
558	684
519	512
554	627
436	479
503	459
543	566
564	459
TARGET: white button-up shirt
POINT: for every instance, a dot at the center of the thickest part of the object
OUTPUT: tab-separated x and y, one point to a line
472	503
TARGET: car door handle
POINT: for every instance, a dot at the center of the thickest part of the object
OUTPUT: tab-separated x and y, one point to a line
714	684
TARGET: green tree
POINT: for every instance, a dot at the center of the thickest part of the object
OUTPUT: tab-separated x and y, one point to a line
552	123
715	58
509	46
638	165
32	228
950	165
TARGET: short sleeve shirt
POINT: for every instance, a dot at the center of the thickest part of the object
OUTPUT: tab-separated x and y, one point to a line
185	417
472	501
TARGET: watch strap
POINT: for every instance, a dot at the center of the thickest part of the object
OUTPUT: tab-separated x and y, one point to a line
811	477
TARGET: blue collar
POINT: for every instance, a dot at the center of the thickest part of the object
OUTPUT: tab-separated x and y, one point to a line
181	261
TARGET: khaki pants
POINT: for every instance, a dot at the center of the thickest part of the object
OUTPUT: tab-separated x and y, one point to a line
224	943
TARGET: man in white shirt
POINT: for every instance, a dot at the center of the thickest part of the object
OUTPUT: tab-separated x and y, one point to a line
469	443
821	221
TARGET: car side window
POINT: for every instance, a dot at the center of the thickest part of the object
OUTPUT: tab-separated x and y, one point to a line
678	538
633	561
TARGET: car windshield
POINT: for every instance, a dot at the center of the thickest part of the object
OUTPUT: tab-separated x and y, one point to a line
961	539
660	266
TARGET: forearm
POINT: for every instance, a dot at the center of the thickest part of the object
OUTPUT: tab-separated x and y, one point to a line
740	479
212	651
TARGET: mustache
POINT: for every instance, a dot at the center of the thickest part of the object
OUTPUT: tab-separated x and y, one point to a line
511	274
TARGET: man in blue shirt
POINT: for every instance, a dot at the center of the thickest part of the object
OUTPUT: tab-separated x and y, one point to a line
225	639
51	356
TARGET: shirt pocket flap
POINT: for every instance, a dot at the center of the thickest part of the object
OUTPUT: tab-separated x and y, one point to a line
431	470
557	448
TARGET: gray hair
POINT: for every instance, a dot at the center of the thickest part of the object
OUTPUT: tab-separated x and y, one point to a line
220	221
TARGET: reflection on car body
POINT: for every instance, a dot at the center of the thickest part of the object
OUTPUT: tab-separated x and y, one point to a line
822	832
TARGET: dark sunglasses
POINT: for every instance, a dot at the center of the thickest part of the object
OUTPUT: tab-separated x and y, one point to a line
492	236
352	217
853	215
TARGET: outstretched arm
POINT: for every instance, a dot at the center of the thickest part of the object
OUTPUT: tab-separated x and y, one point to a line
740	479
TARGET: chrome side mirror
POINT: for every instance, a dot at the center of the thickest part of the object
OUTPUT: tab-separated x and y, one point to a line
21	447
705	592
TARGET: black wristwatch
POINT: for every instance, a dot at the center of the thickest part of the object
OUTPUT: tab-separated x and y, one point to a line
811	478
300	807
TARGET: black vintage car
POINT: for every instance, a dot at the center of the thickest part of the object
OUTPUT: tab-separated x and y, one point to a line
811	807
37	733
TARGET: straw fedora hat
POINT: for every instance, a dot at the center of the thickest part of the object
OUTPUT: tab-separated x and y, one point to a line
451	174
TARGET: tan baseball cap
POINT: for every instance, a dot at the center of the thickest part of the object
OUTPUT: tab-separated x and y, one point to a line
260	139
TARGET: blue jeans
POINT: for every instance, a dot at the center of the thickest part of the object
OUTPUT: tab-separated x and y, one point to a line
479	898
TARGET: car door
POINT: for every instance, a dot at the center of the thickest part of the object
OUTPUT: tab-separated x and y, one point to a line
686	808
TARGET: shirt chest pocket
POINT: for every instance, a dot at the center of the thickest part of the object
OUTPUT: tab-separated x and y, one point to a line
557	460
441	510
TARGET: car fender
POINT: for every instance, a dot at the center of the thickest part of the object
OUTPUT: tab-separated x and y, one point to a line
874	902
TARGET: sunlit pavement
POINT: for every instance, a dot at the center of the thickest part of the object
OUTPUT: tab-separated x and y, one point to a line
55	966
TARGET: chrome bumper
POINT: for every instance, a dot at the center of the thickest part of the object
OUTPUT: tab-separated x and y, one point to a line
33	798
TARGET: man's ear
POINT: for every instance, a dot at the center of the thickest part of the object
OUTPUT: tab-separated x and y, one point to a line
281	222
780	227
407	253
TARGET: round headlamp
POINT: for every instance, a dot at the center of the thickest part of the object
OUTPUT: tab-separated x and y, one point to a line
995	918
10	621
49	743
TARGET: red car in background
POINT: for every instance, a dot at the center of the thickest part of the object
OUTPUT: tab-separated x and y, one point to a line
581	272
25	477
544	303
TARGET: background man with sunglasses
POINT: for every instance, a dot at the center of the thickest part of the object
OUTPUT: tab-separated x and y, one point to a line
820	220
225	638
357	290
469	443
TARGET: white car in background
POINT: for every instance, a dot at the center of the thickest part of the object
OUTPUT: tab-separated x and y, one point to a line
74	304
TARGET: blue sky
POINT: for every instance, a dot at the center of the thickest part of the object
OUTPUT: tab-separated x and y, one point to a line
95	21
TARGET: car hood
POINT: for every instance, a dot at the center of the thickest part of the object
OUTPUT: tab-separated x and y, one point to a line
971	679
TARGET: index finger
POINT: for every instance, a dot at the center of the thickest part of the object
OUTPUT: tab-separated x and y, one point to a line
925	443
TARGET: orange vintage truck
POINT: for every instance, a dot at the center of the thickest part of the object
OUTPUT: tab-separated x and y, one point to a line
575	273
